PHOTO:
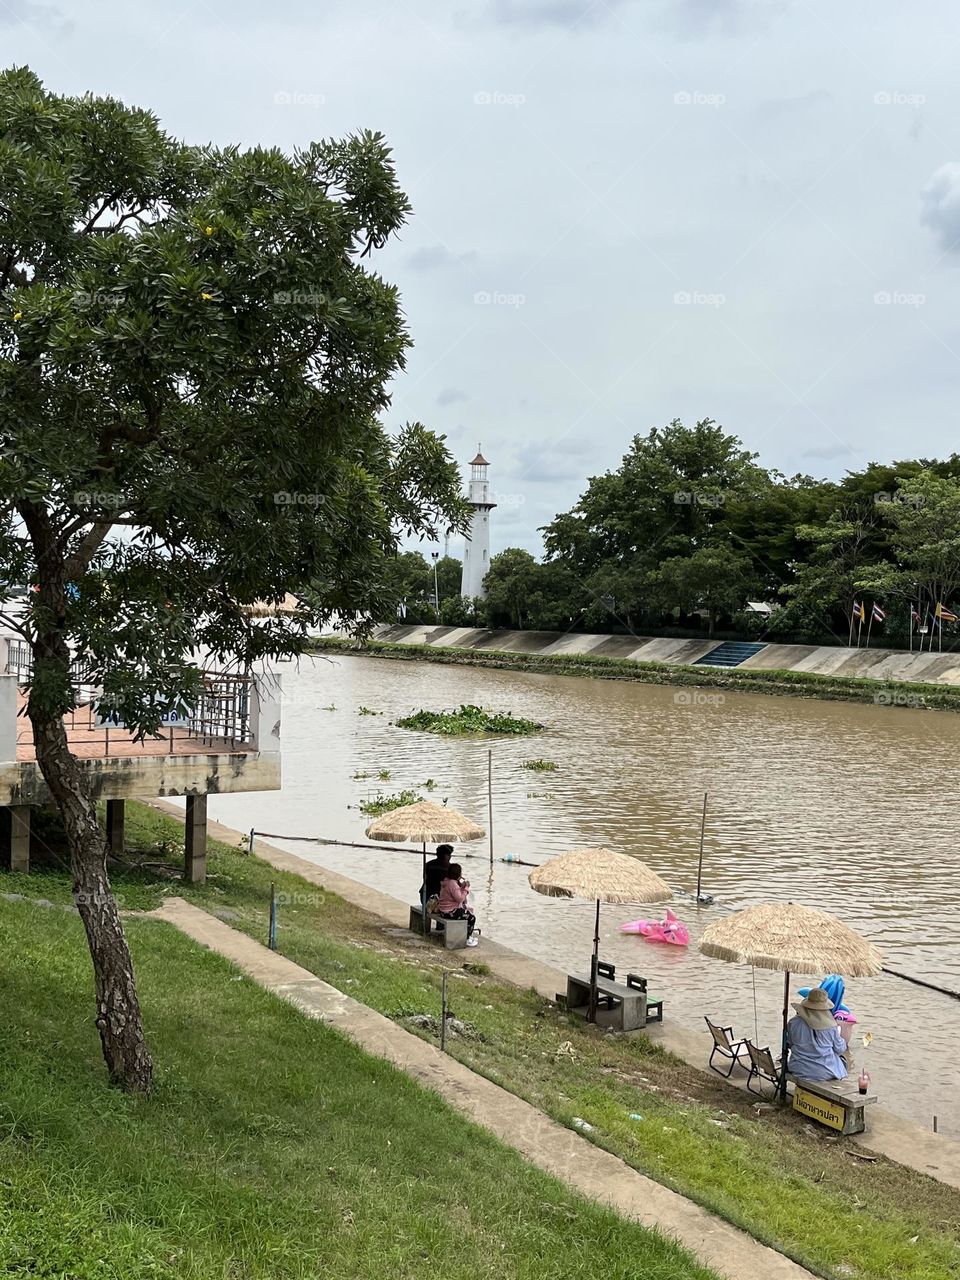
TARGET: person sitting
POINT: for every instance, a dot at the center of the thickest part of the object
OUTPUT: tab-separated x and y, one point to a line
835	988
814	1044
454	892
433	873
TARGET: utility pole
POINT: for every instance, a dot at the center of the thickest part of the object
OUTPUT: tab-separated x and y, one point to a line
435	556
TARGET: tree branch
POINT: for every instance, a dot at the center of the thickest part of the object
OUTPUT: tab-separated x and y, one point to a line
103	208
90	544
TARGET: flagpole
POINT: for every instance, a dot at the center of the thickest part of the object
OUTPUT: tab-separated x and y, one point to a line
850	637
911	626
860	626
869	627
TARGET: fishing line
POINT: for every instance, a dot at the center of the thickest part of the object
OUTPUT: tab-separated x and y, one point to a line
393	848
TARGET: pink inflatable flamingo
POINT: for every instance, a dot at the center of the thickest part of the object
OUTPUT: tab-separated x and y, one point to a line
670	930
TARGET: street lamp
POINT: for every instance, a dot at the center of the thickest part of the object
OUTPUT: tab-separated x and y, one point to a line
435	556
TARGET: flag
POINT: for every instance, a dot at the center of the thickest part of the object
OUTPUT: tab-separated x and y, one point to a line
858	611
914	615
878	614
944	615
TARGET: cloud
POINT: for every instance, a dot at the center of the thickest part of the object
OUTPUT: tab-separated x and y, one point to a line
771	108
828	452
451	395
545	460
435	256
552	13
29	11
940	205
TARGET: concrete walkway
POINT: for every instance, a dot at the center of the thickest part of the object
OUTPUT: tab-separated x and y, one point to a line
584	1167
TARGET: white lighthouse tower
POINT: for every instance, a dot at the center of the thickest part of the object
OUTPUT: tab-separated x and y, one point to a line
476	552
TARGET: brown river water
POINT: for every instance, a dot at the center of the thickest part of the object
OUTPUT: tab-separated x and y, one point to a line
846	807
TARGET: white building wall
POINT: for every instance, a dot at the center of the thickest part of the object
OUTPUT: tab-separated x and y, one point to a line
476	554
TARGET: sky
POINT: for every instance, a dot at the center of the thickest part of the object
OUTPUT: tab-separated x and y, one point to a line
624	211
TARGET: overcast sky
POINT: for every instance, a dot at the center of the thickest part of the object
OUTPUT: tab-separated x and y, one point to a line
624	212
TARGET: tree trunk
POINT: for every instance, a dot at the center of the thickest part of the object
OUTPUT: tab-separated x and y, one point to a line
118	1015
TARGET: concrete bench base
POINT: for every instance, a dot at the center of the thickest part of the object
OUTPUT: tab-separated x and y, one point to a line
453	932
630	1004
837	1104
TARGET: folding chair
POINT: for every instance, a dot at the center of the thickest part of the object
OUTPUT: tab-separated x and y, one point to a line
762	1067
724	1045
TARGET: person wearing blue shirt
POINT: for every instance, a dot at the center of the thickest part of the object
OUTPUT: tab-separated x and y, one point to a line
814	1044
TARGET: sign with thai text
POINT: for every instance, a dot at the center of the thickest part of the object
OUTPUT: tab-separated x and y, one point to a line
811	1104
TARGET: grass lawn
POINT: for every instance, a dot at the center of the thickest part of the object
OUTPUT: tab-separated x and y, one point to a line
785	1182
272	1147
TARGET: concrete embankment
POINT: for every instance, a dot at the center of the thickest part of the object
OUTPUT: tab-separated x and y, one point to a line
882	676
871	664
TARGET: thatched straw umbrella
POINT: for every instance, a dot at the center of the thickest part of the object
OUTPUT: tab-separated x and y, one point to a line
426	823
605	876
790	938
286	607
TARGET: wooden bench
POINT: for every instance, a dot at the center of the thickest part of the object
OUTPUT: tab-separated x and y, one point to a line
453	932
838	1104
630	1003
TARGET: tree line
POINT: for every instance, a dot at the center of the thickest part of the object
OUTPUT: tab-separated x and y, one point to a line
690	528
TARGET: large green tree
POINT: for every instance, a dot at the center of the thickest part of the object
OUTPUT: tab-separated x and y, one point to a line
194	362
667	499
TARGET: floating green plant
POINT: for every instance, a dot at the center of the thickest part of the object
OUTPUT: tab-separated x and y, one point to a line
379	804
539	766
366	711
467	719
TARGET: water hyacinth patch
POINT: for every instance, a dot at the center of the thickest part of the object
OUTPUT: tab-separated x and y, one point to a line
468	719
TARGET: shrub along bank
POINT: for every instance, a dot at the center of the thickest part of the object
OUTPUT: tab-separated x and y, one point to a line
793	684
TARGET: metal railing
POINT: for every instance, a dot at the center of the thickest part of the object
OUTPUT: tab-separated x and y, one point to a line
220	718
223	711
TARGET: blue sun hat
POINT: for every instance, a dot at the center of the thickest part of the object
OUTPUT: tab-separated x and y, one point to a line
835	988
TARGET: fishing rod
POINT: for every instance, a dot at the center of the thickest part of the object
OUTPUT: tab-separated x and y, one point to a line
393	848
931	986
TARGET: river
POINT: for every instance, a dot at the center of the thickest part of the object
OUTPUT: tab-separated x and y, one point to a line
847	807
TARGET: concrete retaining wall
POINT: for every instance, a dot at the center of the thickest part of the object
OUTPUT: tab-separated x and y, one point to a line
871	664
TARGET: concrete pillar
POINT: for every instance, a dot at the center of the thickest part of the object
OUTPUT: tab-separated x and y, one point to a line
195	840
115	823
266	693
8	717
19	837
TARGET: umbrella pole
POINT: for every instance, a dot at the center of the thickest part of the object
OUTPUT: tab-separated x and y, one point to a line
592	1006
783	1042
